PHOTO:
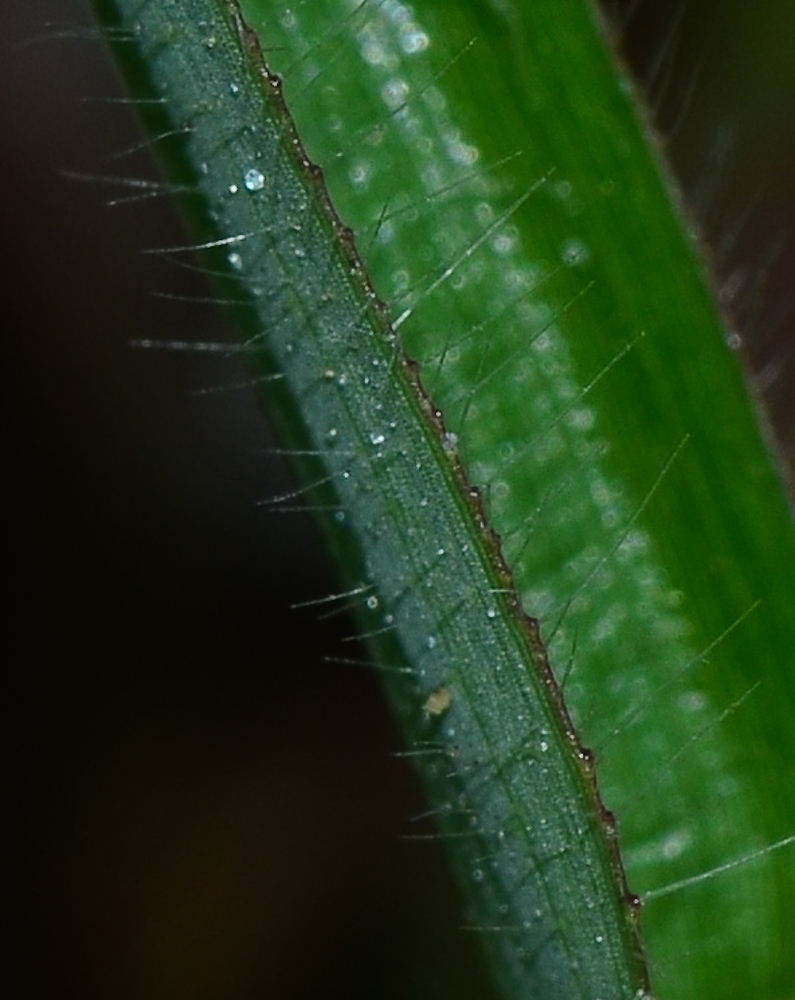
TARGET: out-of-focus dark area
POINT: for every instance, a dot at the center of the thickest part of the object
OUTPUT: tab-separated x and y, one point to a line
208	809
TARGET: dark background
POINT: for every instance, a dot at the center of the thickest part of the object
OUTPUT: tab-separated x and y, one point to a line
208	809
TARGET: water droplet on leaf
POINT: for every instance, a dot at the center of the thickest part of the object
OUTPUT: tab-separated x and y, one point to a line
254	180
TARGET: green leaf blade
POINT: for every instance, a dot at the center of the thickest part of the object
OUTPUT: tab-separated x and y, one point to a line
425	575
510	211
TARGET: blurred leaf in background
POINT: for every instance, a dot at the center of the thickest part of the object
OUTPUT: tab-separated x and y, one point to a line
720	79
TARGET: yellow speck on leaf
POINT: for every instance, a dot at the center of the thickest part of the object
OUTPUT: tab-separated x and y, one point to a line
438	701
